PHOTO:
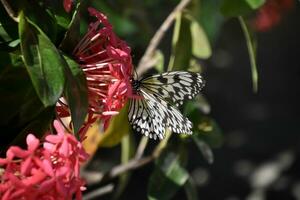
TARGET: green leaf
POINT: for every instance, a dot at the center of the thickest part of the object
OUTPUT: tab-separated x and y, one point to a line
72	35
181	44
230	8
191	190
207	129
159	61
41	19
210	18
76	93
117	129
169	174
204	148
252	54
200	44
254	4
43	62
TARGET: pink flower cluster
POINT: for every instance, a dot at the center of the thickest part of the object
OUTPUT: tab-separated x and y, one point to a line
45	171
271	14
106	61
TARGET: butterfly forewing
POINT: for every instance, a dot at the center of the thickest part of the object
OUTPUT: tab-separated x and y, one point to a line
176	86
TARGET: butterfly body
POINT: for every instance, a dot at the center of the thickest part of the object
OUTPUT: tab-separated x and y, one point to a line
158	97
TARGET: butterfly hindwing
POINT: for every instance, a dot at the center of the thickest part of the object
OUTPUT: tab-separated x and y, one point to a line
145	119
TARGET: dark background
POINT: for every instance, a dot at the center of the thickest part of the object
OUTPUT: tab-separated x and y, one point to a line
260	157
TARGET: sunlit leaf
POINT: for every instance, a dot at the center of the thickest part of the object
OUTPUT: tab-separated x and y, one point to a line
117	129
43	62
254	4
200	44
93	136
194	66
76	93
159	60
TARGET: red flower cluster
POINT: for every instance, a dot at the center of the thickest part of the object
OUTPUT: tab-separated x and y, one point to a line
106	61
48	170
271	13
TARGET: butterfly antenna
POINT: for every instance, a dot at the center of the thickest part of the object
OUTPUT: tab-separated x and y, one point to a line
136	74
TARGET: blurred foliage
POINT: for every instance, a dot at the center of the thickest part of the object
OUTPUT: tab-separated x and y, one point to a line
37	68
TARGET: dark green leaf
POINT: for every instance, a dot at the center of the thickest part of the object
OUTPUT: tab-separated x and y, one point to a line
43	62
36	126
72	36
8	27
15	84
42	19
191	190
204	148
232	8
207	129
210	18
169	174
76	93
20	107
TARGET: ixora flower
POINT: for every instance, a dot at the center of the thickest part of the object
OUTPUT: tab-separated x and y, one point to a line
271	14
106	61
45	170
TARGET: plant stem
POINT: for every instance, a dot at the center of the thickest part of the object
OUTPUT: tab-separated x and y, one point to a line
251	54
145	62
9	10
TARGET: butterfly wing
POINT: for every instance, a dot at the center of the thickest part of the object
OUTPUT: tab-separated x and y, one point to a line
176	86
152	113
145	117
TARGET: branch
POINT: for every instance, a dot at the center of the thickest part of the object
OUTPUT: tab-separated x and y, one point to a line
9	10
99	192
97	177
145	62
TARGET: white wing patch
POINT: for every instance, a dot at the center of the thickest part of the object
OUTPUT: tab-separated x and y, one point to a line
176	86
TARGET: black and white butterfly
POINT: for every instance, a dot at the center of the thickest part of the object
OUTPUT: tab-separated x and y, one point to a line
158	97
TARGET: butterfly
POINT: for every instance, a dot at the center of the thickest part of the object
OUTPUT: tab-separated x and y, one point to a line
158	96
